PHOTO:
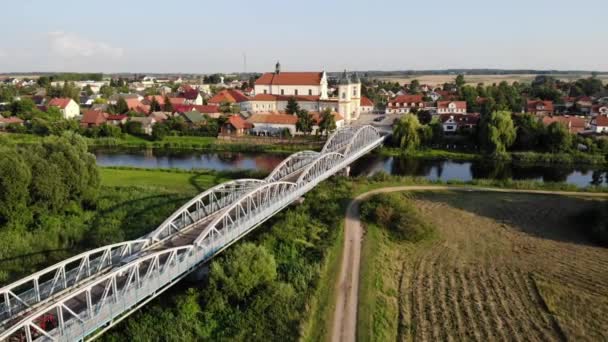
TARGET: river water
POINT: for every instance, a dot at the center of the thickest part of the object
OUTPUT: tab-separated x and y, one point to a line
368	165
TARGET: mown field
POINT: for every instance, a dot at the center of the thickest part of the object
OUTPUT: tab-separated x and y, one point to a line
501	267
475	79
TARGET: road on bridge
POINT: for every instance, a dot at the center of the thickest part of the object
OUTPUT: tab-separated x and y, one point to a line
344	327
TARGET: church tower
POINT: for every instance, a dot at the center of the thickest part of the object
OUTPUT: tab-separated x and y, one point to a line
356	96
345	92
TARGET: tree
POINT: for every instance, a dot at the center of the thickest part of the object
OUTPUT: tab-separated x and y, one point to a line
167	107
106	91
15	179
304	123
226	107
459	81
159	131
424	117
414	87
406	132
292	106
497	132
327	123
557	138
134	128
154	105
529	132
121	106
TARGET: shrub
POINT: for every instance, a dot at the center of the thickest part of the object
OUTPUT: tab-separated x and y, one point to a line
396	213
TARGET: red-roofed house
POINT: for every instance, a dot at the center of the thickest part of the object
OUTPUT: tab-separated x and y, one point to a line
232	96
573	123
11	120
192	96
118	119
599	124
404	103
599	110
68	107
451	107
540	107
93	118
367	106
136	106
236	126
211	110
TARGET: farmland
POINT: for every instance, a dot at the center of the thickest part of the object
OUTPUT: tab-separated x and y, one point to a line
501	267
475	79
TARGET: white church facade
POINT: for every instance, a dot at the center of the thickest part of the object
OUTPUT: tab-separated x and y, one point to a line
310	90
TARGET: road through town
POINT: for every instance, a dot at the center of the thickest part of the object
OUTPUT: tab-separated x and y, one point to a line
344	326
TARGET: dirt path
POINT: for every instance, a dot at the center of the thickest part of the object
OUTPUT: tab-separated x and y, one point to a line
344	326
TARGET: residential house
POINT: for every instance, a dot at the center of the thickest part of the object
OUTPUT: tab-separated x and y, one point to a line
584	104
232	96
235	126
367	106
118	119
599	110
599	124
135	105
192	96
146	123
451	107
540	107
194	118
316	119
160	116
11	120
69	108
573	123
273	124
404	103
93	118
433	95
453	123
209	110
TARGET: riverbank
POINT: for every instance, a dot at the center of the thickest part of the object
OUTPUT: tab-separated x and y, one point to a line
186	143
520	158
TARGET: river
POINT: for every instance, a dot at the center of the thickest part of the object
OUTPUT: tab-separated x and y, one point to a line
368	165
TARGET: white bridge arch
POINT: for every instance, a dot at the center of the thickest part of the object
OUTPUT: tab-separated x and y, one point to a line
85	295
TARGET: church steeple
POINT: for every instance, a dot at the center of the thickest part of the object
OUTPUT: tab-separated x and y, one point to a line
277	68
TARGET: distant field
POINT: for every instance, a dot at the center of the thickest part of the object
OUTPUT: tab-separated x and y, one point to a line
505	267
475	79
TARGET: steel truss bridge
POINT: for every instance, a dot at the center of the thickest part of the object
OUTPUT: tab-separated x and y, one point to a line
83	296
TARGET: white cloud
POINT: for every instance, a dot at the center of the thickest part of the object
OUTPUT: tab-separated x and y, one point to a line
66	44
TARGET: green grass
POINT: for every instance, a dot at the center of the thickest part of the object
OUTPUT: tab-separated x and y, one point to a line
317	325
432	154
167	179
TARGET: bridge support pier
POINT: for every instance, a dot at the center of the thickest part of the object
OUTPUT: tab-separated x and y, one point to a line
345	172
199	274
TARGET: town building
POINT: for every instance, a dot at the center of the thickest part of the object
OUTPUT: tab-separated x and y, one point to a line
69	108
233	97
573	123
270	124
93	118
235	126
310	90
367	106
11	120
453	123
599	124
540	107
404	104
451	107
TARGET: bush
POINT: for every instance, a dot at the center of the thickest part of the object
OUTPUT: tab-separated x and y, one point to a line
396	213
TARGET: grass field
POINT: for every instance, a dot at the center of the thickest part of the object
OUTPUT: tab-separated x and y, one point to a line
486	79
187	182
504	267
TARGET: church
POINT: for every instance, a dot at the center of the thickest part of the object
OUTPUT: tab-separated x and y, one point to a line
310	89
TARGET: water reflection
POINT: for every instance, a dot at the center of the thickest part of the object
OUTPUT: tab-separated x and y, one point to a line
366	166
466	171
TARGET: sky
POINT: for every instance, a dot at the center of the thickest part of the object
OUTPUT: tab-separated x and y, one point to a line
204	36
